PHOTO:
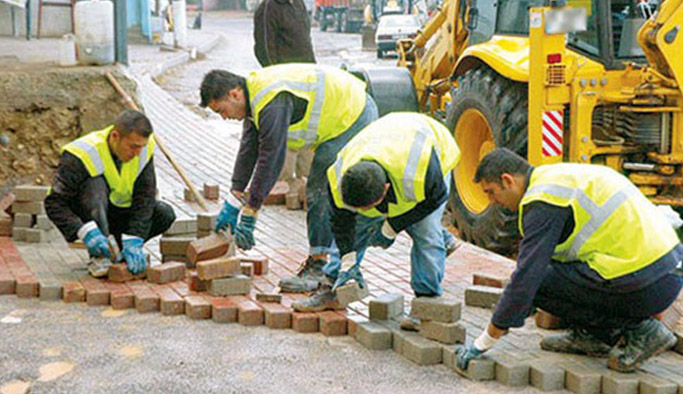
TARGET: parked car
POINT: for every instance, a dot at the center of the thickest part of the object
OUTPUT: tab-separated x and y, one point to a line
391	28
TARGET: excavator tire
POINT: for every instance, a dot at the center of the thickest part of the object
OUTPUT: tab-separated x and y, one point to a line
487	111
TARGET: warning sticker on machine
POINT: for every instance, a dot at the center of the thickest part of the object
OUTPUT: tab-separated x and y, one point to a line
534	19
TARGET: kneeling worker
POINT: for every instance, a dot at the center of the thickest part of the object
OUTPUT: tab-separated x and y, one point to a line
105	184
396	173
595	252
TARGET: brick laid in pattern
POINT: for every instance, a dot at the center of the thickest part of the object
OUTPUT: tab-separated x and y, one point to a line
546	376
121	297
421	351
511	371
448	333
223	310
304	322
332	323
73	292
196	307
170	303
145	299
268	297
373	336
277	316
197	284
96	294
5	225
248	313
442	309
260	264
580	379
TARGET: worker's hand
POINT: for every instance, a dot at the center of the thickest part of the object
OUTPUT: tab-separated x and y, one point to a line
467	353
228	215
97	243
244	233
384	237
132	252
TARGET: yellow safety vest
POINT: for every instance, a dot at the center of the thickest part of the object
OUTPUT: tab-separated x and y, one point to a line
93	151
335	99
402	144
617	230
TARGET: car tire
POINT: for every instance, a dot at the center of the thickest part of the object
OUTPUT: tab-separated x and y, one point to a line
380	54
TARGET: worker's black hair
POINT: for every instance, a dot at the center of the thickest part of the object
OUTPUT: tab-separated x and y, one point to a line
498	162
363	184
130	121
217	84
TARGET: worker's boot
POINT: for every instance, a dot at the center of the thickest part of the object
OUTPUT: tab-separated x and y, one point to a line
576	341
98	267
641	342
323	299
306	279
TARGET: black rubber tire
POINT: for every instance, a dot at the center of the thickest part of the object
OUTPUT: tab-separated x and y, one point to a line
380	54
504	103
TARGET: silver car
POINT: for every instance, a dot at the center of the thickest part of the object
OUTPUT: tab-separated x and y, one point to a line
391	28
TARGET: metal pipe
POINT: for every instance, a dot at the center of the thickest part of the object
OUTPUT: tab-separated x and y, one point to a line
639	166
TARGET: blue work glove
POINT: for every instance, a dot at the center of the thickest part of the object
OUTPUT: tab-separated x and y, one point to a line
228	215
132	252
384	237
465	354
97	243
352	272
244	233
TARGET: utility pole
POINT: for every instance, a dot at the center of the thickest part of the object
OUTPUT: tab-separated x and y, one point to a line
120	32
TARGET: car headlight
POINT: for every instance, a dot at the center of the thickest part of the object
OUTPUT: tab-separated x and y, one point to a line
566	20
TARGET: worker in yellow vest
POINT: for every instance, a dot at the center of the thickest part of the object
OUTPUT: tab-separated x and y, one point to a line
595	252
105	184
394	175
295	106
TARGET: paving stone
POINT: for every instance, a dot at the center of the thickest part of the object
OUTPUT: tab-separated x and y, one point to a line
269	297
206	221
620	383
421	351
386	306
441	309
27	286
32	207
511	371
34	235
481	369
19	234
304	322
223	310
73	291
332	324
23	220
169	258
165	273
145	299
188	195
351	292
176	246
260	264
30	192
548	321
218	268
482	296
249	314
44	223
373	336
277	194
211	247
197	284
247	269
239	284
196	307
119	273
182	227
121	296
580	379
5	225
211	191
292	201
7	282
490	280
545	376
448	333
653	385
50	290
679	345
170	302
449	355
277	316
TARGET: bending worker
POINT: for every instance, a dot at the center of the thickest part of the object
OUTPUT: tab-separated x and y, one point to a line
296	106
396	174
595	252
105	184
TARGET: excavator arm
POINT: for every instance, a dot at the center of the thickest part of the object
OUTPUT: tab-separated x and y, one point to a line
661	40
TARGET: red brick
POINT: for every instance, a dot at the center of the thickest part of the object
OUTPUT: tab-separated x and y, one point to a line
181	288
7	202
5	226
277	194
96	294
247	269
490	280
277	316
73	292
197	284
170	303
304	322
119	273
260	264
26	285
248	313
7	281
196	307
548	321
211	191
145	299
164	273
210	247
218	268
121	297
223	310
332	323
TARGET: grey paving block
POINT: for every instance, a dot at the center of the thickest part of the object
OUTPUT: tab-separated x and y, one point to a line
351	292
19	234
34	235
479	369
206	221
44	223
620	383
482	296
50	290
421	351
441	309
654	385
182	227
24	220
510	370
386	306
31	192
449	355
239	284
448	333
545	376
373	336
32	207
580	379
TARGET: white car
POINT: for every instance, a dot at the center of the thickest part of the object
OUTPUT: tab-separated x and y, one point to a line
391	28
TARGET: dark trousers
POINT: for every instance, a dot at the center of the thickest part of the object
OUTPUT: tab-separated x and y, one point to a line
583	307
94	205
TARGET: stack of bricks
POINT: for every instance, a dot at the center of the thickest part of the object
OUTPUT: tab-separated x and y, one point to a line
439	319
5	218
485	291
222	276
206	224
175	241
375	334
30	223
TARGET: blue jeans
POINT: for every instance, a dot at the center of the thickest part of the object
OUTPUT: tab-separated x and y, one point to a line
320	237
427	256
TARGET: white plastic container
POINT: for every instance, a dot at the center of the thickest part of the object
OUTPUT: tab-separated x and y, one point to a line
67	51
94	20
179	23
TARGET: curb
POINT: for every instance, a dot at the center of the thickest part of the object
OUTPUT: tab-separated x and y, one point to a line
183	57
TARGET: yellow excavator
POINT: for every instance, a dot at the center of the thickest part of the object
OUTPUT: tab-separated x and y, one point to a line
587	81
